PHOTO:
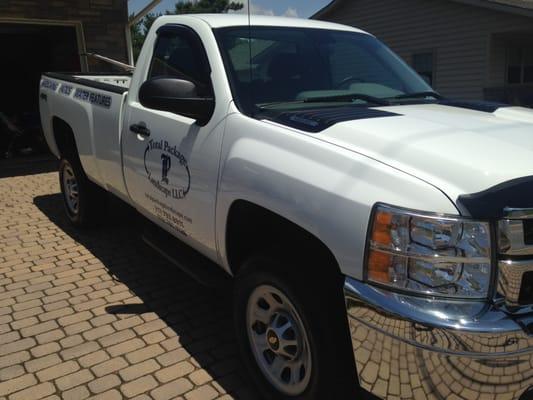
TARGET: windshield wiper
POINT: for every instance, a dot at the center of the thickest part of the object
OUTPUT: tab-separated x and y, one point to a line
348	97
419	95
332	99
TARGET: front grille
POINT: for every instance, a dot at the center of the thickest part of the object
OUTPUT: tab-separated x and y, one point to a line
526	289
528	231
515	243
511	280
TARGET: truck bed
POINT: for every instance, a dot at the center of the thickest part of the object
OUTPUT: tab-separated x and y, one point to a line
88	104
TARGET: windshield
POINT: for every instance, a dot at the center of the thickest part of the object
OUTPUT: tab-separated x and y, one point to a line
299	68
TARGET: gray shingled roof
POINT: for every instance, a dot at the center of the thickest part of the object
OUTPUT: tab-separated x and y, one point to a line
522	7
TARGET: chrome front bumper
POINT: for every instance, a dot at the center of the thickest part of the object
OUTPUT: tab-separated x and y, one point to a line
409	347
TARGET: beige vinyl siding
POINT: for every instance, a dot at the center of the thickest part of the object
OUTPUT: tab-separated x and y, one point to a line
459	35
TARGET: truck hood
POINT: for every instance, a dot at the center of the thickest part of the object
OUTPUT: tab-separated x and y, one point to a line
459	151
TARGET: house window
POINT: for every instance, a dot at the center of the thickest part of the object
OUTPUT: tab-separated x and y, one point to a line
520	65
423	64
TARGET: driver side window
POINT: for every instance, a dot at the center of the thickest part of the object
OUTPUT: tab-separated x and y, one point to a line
179	54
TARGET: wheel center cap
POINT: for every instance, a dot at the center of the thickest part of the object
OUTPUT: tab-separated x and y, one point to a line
273	340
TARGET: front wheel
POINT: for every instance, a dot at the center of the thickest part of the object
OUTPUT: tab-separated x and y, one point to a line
279	340
292	333
85	202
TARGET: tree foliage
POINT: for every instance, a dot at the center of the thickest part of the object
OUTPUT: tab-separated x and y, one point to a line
206	6
140	30
137	38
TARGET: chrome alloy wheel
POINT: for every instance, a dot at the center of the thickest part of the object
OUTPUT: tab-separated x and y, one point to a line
278	340
71	189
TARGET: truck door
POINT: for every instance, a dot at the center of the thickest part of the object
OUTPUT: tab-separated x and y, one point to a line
170	161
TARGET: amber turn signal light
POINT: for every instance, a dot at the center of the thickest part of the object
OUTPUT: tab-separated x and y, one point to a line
378	266
381	229
378	262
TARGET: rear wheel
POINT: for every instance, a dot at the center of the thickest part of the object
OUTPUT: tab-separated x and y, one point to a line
292	331
71	190
85	202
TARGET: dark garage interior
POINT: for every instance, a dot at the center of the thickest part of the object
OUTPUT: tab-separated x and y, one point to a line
29	50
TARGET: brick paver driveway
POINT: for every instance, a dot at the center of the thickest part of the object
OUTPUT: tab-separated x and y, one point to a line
94	313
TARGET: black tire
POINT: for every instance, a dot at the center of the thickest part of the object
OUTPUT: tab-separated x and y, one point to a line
91	200
320	305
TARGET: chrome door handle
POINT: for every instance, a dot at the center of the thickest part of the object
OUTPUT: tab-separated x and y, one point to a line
140	130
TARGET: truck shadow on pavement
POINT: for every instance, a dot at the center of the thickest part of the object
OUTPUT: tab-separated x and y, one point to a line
199	318
27	166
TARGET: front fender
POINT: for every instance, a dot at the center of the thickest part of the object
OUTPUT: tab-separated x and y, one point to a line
327	190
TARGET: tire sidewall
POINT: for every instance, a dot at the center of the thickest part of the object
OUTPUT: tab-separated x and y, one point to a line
259	271
92	199
73	217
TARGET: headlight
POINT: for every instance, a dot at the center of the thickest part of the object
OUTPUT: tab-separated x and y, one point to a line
429	253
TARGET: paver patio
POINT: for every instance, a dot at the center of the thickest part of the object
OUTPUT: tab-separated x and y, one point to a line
95	313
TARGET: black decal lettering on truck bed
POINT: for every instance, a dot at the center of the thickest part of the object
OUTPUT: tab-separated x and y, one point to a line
65	89
97	99
49	84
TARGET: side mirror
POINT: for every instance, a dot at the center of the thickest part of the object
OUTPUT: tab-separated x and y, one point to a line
177	96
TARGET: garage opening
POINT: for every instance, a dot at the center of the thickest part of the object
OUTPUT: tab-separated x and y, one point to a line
28	50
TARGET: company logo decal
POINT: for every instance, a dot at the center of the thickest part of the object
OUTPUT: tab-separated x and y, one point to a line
166	163
167	169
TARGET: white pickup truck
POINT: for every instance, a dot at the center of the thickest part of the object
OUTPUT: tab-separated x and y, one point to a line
379	236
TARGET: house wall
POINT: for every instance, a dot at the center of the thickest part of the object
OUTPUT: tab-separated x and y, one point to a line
461	37
497	62
103	22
